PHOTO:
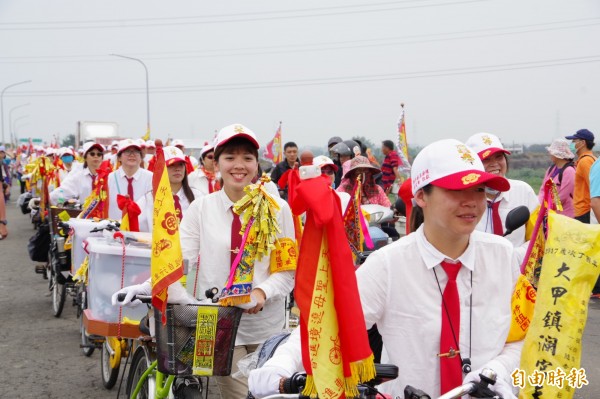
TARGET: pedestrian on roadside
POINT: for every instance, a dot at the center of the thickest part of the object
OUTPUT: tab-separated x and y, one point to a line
389	167
562	172
3	221
5	176
582	143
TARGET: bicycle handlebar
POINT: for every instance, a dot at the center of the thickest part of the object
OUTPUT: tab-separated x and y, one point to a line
141	298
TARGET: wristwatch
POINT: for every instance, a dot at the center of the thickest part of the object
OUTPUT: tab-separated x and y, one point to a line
4	222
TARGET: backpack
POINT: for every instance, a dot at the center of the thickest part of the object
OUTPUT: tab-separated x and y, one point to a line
561	170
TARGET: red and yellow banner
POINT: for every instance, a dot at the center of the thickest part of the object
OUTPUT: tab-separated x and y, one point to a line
274	150
167	260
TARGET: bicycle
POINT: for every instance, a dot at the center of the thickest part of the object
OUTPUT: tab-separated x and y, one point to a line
162	365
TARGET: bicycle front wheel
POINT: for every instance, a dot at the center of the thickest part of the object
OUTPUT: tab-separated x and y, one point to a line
139	365
59	294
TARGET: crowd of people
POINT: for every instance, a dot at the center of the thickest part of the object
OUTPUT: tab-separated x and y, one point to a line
457	196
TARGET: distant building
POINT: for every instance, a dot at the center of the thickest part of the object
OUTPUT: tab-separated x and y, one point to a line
514	149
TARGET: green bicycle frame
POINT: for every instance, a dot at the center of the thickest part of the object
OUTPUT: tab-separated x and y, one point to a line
162	386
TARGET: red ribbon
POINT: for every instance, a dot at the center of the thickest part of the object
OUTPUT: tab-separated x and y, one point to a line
131	209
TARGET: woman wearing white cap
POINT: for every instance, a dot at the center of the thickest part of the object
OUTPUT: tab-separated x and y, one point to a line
183	194
129	179
205	179
79	184
562	172
207	233
494	157
405	289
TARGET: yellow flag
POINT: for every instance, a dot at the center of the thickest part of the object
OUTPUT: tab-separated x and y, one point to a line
167	259
551	354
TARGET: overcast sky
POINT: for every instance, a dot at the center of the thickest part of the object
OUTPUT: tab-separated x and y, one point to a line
527	71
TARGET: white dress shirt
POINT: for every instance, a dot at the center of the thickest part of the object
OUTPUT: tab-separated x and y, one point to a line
206	231
198	180
77	185
146	204
520	193
117	184
399	292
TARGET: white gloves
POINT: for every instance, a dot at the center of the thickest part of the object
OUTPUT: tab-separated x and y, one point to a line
140	289
501	387
264	381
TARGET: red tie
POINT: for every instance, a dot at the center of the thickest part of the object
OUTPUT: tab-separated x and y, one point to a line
130	187
236	238
93	177
450	365
496	221
178	207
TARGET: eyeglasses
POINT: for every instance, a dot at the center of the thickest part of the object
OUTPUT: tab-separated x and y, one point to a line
95	154
210	156
130	152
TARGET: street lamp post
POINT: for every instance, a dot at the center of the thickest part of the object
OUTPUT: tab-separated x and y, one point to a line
12	137
14	126
2	103
147	90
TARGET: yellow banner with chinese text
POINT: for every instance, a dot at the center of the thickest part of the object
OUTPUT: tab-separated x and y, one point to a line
206	334
551	354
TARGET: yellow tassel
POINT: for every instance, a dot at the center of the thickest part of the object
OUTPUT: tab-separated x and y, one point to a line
363	370
234	300
350	389
310	389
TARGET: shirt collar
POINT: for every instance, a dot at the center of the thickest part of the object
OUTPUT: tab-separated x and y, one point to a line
227	203
135	176
432	257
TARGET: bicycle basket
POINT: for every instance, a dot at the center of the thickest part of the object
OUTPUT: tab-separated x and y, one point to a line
179	339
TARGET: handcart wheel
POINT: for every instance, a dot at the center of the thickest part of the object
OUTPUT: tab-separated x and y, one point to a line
109	373
86	345
59	294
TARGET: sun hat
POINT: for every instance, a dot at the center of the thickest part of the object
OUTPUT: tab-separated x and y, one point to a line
235	130
485	145
322	161
582	134
91	144
127	143
452	165
560	149
359	162
173	155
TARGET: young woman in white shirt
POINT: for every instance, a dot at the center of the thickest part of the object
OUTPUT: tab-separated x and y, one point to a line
206	237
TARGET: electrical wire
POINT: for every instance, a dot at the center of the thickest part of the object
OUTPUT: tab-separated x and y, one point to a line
61	25
314	81
339	45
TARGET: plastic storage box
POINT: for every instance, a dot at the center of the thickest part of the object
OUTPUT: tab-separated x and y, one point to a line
82	229
104	277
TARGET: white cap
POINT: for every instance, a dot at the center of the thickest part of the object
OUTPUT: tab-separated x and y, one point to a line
322	160
173	155
150	144
235	130
65	151
114	143
452	165
49	151
141	143
91	144
127	143
205	149
485	144
177	142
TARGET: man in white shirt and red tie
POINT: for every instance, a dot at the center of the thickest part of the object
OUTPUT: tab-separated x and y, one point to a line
129	179
441	296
